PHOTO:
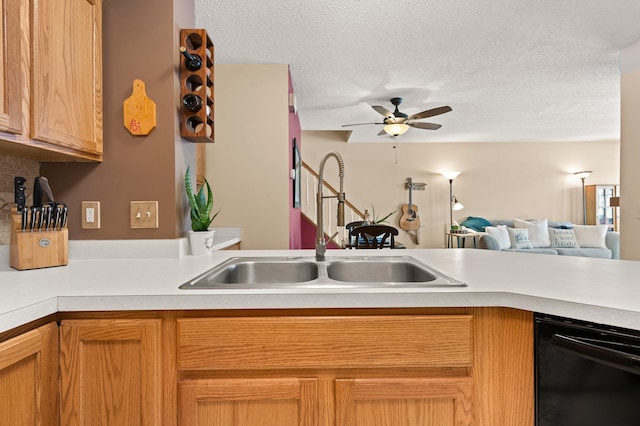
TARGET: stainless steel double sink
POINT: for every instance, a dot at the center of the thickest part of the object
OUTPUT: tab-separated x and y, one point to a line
333	272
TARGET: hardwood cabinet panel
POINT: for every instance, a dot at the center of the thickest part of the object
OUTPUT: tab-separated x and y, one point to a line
327	342
111	372
29	378
404	402
503	366
248	402
13	38
67	74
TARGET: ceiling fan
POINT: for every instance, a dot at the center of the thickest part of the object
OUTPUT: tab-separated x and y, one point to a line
396	123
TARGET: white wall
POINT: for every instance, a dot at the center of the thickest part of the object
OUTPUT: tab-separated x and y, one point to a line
630	153
498	180
248	165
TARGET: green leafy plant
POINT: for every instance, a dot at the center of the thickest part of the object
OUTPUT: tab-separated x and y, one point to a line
376	219
201	205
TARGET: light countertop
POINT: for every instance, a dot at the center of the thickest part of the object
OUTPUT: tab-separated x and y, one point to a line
145	275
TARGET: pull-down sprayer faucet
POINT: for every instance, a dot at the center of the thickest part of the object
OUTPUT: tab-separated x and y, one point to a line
321	245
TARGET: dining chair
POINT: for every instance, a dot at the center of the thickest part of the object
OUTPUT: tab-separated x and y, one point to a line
373	236
349	226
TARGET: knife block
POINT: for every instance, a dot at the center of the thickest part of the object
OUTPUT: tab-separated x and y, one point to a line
37	249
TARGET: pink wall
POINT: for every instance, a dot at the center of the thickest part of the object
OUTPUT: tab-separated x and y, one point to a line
295	232
308	231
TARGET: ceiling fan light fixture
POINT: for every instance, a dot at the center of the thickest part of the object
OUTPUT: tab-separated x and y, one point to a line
396	129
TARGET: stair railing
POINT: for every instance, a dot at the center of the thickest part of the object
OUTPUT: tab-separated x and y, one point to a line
309	185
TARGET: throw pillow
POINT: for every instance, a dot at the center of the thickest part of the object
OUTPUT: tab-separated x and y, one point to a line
538	231
563	238
501	235
519	238
476	223
591	235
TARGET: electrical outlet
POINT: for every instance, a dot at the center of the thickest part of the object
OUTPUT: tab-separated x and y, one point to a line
91	215
144	214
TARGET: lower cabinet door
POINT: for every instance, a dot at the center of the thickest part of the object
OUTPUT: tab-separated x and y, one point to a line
404	402
248	402
110	372
29	378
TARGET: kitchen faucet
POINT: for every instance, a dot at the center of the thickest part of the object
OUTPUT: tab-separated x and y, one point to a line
321	245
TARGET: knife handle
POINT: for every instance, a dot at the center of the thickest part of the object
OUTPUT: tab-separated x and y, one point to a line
63	220
40	217
49	209
34	214
56	215
25	216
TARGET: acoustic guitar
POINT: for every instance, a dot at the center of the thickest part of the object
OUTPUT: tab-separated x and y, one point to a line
410	221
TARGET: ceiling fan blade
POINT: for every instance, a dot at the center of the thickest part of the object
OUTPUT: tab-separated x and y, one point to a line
359	124
382	133
427	126
382	110
430	113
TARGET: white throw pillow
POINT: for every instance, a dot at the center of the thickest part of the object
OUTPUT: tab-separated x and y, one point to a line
538	231
563	238
501	235
519	238
591	235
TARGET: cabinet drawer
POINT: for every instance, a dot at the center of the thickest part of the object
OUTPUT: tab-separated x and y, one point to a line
324	342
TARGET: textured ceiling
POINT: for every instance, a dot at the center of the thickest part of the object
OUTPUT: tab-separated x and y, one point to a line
512	70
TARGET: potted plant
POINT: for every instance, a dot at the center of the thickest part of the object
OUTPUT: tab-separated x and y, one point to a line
201	205
377	219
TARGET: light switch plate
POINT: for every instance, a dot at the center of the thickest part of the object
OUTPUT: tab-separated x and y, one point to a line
144	214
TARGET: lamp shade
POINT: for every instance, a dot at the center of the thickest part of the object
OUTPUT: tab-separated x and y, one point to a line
451	175
583	174
457	205
396	129
614	202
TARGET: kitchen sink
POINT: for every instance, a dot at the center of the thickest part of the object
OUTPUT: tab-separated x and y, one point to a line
255	271
396	270
333	272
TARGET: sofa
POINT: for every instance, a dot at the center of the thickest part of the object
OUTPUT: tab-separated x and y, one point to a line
605	246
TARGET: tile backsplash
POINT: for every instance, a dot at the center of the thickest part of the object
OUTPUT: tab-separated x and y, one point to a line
9	168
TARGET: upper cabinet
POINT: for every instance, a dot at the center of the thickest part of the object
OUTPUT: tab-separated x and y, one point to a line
14	35
52	70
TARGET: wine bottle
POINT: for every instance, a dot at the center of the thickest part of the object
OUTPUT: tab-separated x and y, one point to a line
192	102
193	62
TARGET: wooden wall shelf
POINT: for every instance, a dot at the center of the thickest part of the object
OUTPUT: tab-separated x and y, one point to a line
196	87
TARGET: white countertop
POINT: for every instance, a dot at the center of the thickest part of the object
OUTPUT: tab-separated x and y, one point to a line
145	275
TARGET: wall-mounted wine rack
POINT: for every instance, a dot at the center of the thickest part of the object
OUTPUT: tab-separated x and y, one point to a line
196	82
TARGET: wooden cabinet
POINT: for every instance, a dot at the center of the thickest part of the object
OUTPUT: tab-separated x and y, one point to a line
13	38
452	367
404	401
110	372
600	209
29	378
67	74
334	367
245	402
52	85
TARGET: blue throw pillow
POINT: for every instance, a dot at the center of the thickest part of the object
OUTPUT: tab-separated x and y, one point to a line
476	223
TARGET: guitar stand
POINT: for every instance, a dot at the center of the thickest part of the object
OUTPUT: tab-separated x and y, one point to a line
416	235
410	221
414	185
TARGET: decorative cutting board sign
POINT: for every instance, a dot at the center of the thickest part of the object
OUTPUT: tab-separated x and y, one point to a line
139	111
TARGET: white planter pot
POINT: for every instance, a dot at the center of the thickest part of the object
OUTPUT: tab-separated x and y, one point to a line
201	242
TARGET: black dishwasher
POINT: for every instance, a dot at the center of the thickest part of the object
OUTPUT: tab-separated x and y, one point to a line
586	374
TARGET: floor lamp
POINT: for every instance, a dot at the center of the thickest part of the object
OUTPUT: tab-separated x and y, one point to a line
453	201
583	175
